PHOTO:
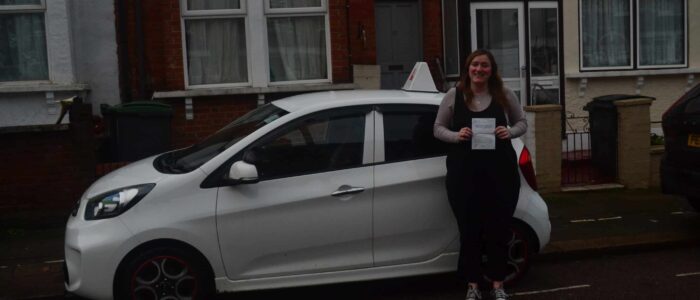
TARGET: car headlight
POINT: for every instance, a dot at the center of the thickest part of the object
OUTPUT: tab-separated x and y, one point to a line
115	202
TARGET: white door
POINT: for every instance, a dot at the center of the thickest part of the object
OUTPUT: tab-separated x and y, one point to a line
498	27
413	221
544	52
312	209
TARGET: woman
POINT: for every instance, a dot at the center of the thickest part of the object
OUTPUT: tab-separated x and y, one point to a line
482	179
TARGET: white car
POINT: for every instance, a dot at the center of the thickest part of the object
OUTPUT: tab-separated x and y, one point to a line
312	189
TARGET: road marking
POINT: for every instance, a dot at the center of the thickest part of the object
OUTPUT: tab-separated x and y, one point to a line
54	261
610	218
653	220
594	220
678	213
3	267
582	220
552	290
688	274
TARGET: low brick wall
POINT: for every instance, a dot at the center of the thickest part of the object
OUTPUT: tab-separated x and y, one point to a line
655	163
46	167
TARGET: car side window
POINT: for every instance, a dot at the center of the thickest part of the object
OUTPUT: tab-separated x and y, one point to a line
408	133
322	142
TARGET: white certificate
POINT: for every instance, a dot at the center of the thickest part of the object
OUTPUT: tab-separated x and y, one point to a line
483	133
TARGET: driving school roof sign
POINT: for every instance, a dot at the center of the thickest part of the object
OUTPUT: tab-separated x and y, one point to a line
420	79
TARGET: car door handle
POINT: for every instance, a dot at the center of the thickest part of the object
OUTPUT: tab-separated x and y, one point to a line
347	190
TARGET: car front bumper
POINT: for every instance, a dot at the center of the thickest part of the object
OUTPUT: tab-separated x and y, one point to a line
92	256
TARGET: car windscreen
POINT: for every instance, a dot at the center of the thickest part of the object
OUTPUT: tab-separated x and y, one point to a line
188	159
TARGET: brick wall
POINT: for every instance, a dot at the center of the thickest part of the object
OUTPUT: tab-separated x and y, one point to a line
210	115
432	36
633	146
363	46
46	167
656	152
162	57
543	139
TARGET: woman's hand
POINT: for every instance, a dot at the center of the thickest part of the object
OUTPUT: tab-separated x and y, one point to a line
502	132
465	134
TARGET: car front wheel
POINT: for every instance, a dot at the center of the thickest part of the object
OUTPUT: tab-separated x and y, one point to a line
164	273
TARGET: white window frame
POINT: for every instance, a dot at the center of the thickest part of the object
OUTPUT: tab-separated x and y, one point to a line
187	14
298	12
323	8
685	37
580	45
516	84
255	14
634	47
550	82
444	38
32	8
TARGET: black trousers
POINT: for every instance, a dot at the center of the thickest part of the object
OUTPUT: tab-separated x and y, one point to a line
483	199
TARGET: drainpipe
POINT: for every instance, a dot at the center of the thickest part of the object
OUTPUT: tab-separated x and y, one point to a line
122	52
347	24
140	51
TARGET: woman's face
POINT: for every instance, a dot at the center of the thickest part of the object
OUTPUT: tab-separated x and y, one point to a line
480	69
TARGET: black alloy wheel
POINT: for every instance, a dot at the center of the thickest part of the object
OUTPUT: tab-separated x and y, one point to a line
165	273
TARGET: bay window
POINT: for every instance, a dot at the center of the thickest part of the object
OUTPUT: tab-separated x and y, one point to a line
607	31
23	54
255	43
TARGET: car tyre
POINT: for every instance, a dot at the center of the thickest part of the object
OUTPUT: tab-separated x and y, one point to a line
695	203
522	247
165	273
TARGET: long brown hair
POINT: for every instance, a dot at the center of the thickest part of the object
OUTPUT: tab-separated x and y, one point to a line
495	82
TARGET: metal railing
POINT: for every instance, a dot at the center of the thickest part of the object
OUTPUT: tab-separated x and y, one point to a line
576	152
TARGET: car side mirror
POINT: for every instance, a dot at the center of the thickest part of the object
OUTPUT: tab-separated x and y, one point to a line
243	172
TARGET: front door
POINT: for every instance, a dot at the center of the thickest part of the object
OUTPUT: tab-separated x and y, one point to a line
399	45
498	27
311	212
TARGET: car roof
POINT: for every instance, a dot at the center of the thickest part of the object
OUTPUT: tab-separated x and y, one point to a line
357	97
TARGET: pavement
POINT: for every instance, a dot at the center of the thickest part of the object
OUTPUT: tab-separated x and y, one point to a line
584	223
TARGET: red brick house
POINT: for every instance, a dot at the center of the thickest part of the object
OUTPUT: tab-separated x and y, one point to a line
215	60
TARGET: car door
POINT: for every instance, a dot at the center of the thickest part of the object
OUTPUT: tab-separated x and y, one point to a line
311	210
412	218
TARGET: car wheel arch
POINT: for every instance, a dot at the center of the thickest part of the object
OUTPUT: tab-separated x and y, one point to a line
161	243
530	234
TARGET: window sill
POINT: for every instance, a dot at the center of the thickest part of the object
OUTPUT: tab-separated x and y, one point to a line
41	87
253	90
631	73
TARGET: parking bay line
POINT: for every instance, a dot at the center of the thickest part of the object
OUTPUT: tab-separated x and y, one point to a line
598	219
688	274
54	261
552	290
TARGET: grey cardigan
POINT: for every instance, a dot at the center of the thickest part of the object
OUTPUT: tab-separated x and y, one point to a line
515	115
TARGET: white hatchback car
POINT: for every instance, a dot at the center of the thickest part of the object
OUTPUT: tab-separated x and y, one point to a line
312	189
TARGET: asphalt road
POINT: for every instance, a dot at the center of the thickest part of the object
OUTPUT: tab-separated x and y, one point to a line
659	274
667	273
